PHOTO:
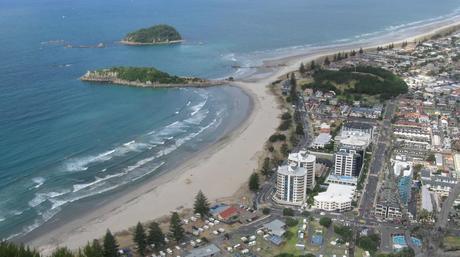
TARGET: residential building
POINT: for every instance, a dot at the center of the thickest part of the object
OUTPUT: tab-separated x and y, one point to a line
439	184
358	127
348	162
304	160
387	206
291	185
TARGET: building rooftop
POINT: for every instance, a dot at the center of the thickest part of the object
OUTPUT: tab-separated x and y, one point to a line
322	139
337	193
276	227
426	199
205	251
387	195
292	171
402	168
301	156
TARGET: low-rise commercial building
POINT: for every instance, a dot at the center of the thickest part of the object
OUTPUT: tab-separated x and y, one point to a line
336	198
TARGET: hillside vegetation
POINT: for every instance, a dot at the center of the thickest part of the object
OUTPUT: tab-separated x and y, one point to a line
359	80
156	34
144	75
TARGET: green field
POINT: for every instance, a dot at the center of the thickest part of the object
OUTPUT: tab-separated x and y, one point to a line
451	243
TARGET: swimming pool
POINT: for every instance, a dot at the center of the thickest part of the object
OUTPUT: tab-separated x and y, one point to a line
399	242
417	242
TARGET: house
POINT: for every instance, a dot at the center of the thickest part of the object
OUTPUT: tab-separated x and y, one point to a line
275	228
205	251
228	215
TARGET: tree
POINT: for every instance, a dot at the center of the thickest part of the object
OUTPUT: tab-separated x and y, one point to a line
299	129
93	250
175	227
110	245
10	249
361	50
312	65
286	116
140	238
291	222
293	139
254	182
369	243
266	211
285	125
431	158
345	232
326	61
302	68
266	170
284	149
293	92
288	212
424	215
201	205
62	252
325	222
156	236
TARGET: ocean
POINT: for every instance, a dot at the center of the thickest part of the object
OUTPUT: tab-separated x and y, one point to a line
64	142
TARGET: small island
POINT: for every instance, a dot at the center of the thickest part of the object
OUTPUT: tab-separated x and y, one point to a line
144	77
155	35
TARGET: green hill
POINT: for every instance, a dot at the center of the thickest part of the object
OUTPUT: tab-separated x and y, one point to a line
359	80
157	34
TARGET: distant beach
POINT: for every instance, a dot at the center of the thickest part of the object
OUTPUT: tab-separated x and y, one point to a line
221	169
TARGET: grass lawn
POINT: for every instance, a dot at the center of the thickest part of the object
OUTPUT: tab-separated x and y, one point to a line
268	249
359	252
451	243
289	245
338	249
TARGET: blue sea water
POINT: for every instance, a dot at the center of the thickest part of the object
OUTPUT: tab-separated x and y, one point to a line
63	141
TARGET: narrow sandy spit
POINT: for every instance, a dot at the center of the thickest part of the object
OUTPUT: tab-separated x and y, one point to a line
219	171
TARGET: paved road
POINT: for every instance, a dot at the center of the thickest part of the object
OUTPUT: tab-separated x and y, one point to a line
377	163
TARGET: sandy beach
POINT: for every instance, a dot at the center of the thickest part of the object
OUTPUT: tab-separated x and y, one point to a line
219	171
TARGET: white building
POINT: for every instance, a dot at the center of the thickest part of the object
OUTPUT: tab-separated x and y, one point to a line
336	198
291	185
307	161
321	141
347	162
427	204
401	168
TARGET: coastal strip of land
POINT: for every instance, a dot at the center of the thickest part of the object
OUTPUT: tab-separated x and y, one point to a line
145	77
219	171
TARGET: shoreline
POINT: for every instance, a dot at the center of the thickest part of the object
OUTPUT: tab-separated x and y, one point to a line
208	167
